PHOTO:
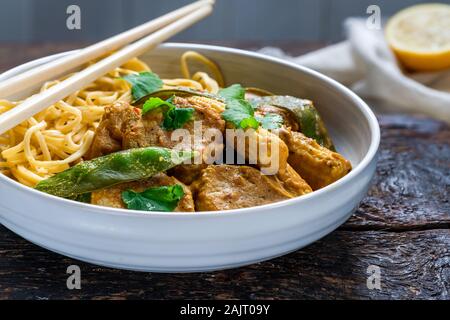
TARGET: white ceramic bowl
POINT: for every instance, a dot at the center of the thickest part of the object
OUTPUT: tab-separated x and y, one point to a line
184	242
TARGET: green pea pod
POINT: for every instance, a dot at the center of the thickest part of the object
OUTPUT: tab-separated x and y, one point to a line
102	172
307	116
168	93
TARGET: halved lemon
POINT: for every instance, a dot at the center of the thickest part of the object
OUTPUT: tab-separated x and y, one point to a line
420	36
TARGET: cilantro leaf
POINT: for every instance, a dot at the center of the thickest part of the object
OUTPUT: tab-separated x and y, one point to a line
154	103
235	91
238	111
174	118
249	123
241	113
165	198
270	121
143	83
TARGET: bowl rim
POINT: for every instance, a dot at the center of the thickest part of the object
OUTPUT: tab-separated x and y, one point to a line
360	104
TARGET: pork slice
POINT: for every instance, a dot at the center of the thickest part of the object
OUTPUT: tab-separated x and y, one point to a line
225	187
124	127
120	120
318	165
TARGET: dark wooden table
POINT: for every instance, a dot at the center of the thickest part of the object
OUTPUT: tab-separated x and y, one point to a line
402	227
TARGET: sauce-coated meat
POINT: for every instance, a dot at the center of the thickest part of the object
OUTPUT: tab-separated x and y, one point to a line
124	127
318	165
225	187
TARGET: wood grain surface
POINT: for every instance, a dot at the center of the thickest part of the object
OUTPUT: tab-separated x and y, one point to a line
402	227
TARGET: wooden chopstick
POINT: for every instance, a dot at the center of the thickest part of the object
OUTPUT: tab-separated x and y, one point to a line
51	70
39	102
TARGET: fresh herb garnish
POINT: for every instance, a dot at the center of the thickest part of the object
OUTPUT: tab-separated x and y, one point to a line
154	103
174	118
241	113
238	111
143	84
163	198
270	121
235	91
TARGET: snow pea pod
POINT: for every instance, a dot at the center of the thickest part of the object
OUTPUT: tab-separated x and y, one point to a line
306	115
168	93
102	172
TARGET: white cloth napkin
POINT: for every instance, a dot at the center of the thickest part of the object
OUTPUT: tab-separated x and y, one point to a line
366	65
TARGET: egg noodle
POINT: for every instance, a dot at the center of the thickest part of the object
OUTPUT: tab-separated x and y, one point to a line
59	136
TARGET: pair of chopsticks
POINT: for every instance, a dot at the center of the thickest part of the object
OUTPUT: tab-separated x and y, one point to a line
155	32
